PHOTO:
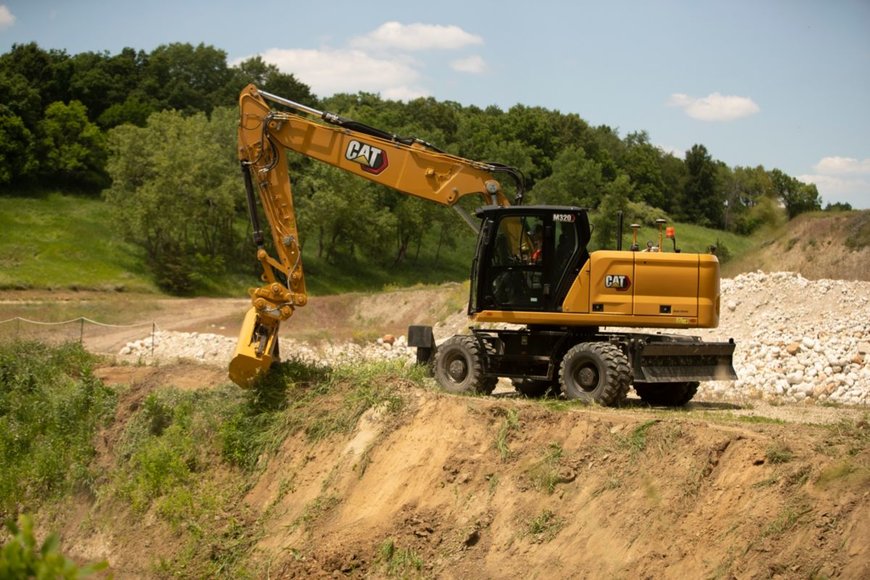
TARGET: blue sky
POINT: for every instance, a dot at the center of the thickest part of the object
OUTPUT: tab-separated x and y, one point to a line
779	83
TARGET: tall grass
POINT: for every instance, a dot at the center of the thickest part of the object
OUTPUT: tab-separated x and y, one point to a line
51	406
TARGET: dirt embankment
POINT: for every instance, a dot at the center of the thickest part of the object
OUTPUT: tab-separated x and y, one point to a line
818	245
495	487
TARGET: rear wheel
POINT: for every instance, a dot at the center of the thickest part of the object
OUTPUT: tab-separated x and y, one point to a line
595	372
667	394
459	367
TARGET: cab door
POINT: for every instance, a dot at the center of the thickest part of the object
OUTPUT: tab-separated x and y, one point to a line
522	261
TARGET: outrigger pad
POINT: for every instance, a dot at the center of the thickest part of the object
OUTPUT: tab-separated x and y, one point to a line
669	361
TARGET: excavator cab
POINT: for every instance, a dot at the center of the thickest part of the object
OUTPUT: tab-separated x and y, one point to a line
527	257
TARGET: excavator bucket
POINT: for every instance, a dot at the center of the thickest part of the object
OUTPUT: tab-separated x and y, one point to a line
258	342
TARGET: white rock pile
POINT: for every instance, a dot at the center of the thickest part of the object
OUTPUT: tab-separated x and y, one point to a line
218	350
798	341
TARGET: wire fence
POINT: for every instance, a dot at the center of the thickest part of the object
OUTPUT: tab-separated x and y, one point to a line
82	330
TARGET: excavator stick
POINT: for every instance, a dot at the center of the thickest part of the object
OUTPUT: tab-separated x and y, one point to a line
256	349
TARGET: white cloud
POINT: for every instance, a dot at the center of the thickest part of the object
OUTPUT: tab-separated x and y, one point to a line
843	179
715	107
471	64
7	19
842	166
332	71
378	62
411	37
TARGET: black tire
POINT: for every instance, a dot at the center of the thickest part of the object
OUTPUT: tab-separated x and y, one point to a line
459	367
532	388
667	394
595	372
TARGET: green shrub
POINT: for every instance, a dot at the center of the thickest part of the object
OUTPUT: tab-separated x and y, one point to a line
50	408
21	558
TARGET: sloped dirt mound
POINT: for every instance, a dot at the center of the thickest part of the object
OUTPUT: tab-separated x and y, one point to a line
819	246
486	488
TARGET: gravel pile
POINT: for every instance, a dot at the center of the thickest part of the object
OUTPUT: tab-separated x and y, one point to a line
797	341
216	349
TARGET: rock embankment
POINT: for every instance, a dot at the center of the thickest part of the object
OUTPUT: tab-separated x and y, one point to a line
797	341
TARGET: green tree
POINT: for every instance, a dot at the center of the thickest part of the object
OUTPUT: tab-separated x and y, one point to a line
267	77
344	214
641	161
17	156
702	202
187	78
797	197
575	180
616	198
73	148
175	191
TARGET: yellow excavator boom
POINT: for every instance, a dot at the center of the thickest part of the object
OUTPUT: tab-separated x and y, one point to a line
409	165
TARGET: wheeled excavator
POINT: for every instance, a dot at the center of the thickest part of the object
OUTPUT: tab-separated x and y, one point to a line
545	312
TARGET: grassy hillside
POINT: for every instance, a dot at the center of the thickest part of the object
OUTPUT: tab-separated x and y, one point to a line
818	245
64	241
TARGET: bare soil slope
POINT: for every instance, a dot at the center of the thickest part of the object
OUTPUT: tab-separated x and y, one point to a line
821	245
495	487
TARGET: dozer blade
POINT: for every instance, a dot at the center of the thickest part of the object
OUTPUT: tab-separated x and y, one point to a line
257	344
689	360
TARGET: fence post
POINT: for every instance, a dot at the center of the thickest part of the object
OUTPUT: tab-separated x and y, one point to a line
82	331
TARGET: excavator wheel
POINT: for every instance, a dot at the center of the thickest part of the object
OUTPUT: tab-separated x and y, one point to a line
595	372
459	367
667	394
533	388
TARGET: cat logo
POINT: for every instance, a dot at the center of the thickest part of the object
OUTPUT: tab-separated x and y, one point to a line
372	159
617	282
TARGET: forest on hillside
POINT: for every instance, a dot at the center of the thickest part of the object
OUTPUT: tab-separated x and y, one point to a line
153	133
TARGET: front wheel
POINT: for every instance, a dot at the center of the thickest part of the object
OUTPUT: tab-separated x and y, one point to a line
595	372
459	367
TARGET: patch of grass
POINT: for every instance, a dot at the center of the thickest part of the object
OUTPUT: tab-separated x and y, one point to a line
845	472
66	241
544	526
787	519
164	448
314	510
398	562
51	406
636	441
544	474
853	435
858	231
362	387
778	452
56	240
510	424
